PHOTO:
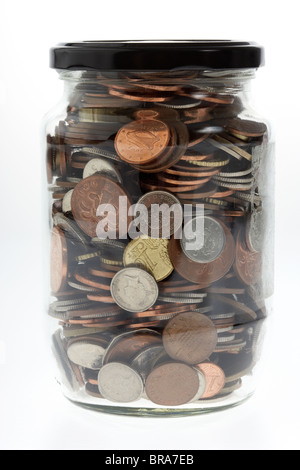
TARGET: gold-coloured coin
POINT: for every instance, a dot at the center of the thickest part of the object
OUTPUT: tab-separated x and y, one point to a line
111	262
210	163
150	253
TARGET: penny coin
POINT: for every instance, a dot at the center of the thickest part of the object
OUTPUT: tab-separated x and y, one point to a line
212	241
92	192
59	260
215	379
125	346
190	337
203	274
120	383
92	390
248	264
246	128
87	353
165	200
172	384
142	141
151	254
134	289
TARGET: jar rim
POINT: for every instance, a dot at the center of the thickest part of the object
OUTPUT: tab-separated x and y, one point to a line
162	55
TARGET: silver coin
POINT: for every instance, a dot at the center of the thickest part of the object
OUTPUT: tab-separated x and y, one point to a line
144	361
222	316
102	165
214	240
226	339
99	152
86	354
252	198
73	232
82	287
190	105
66	204
202	385
74	332
188	295
134	289
69	302
236	174
225	179
69	308
244	187
110	249
256	230
67	377
120	383
57	315
180	300
107	242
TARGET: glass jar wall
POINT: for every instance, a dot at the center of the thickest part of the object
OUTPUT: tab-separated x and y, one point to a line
160	182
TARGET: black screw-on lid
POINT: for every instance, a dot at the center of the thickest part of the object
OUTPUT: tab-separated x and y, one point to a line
156	55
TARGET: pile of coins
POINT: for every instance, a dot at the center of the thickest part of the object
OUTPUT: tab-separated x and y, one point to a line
148	318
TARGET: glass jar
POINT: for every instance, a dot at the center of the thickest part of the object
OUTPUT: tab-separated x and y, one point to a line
160	183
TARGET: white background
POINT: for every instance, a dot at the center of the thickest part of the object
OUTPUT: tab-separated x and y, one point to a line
33	414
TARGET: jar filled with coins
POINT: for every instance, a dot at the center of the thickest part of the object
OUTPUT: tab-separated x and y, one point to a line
160	180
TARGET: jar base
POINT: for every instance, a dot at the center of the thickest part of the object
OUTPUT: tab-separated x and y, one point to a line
203	407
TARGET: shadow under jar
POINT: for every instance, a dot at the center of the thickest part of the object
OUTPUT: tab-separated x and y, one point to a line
160	180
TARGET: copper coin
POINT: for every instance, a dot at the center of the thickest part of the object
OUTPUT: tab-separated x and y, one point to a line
165	310
246	127
225	193
153	186
193	156
215	379
111	323
163	160
179	182
90	281
98	312
59	260
248	264
61	148
208	190
205	273
180	170
124	347
160	198
143	324
101	298
132	95
201	114
92	192
176	148
94	271
142	141
196	140
172	384
245	313
190	337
